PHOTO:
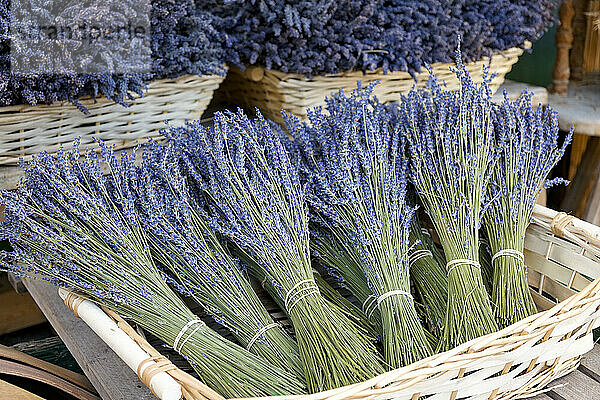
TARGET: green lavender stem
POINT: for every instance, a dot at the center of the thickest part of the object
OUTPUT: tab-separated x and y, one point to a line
429	278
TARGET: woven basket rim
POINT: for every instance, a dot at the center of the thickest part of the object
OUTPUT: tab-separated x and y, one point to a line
88	99
470	350
508	53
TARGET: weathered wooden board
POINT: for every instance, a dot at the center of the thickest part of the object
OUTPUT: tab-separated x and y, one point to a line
576	386
110	376
580	108
579	190
18	311
12	392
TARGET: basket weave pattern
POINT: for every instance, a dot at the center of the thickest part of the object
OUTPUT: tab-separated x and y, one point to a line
272	91
562	255
26	130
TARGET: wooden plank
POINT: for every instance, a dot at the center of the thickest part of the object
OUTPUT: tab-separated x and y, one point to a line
578	146
590	363
580	109
18	311
106	371
578	191
592	208
10	391
542	396
575	386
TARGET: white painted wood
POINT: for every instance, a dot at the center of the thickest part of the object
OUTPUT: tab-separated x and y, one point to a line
165	387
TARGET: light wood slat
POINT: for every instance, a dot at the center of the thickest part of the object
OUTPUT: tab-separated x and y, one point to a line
12	392
576	386
590	364
106	371
557	290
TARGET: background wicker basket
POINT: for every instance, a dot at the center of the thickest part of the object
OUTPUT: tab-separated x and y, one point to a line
271	91
27	130
563	259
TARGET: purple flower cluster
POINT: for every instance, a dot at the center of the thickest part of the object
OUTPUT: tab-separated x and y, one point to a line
527	142
184	40
450	137
243	154
328	36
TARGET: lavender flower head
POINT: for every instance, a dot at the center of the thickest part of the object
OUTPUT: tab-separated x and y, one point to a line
450	142
76	227
528	148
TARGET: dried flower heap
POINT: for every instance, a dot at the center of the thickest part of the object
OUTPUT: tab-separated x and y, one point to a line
451	144
78	229
528	147
259	204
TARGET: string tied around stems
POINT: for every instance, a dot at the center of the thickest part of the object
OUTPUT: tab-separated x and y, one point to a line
297	293
176	346
509	253
450	265
370	302
378	300
417	255
260	332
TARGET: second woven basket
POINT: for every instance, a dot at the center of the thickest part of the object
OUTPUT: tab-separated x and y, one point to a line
272	91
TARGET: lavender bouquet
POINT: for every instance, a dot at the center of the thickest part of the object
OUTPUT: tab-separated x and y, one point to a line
528	146
451	143
259	204
73	226
356	173
200	265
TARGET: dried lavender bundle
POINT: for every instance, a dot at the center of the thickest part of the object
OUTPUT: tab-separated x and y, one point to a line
331	254
356	174
428	276
73	226
200	266
450	138
259	204
528	146
346	307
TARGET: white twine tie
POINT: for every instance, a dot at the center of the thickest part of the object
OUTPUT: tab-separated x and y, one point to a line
389	294
297	293
417	255
371	301
455	263
511	253
259	333
182	332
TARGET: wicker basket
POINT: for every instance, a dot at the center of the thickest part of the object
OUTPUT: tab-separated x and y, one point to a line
272	91
563	256
26	130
